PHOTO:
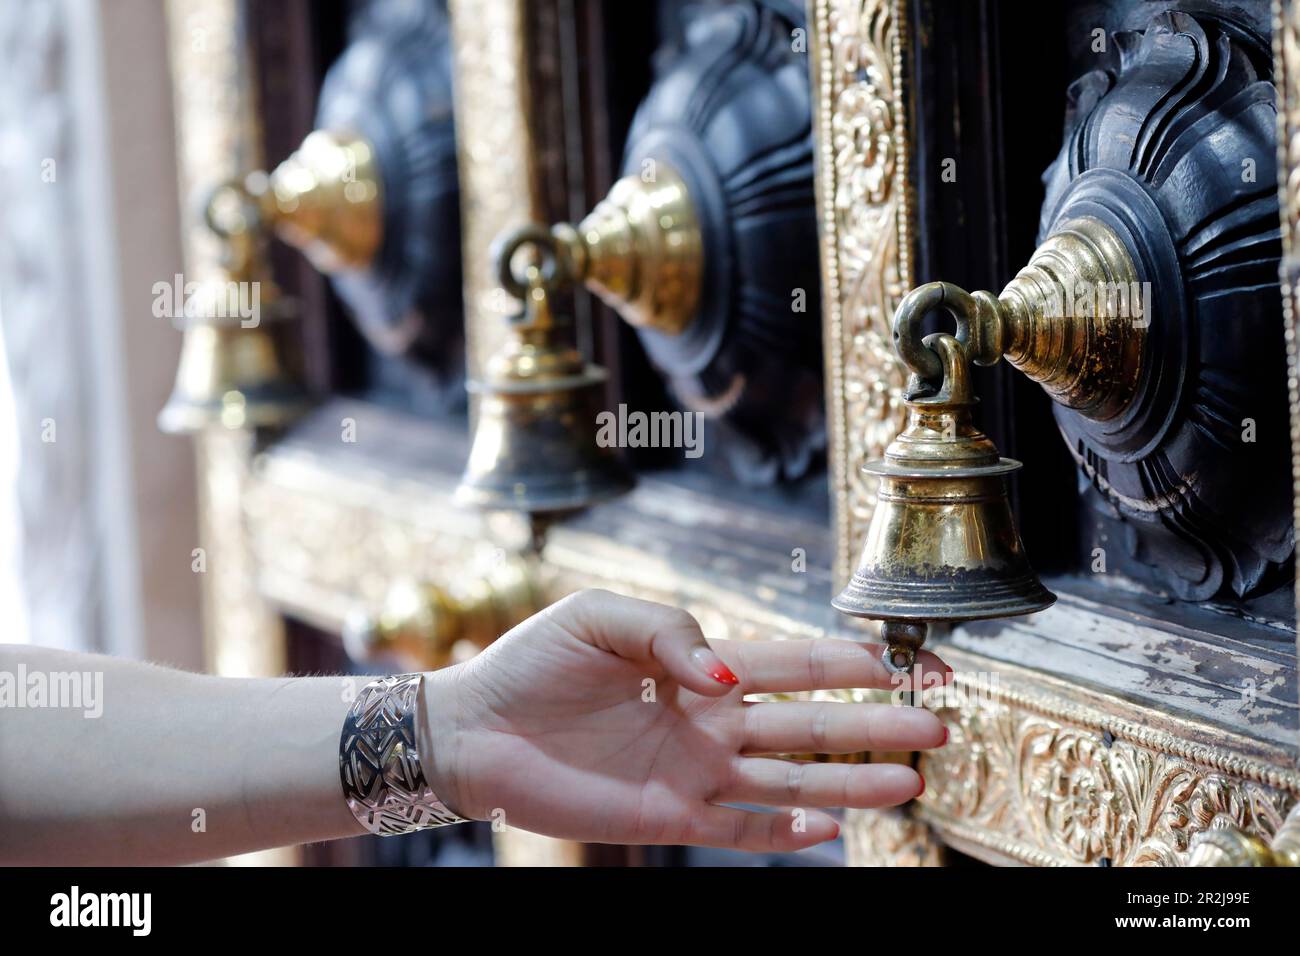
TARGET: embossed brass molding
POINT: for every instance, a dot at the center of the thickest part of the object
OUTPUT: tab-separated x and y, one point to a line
1048	774
865	201
1286	58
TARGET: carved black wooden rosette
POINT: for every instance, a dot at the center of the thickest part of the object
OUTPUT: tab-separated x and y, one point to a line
1172	142
730	112
393	86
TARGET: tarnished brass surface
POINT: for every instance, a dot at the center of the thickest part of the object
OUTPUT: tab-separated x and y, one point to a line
325	199
426	625
534	447
942	544
640	251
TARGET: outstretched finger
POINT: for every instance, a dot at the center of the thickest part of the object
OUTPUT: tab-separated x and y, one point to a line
833	728
643	630
804	784
824	664
784	831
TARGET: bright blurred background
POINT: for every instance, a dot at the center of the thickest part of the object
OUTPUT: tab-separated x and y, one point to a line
97	508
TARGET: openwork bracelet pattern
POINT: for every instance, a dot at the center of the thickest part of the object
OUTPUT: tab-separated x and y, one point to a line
379	761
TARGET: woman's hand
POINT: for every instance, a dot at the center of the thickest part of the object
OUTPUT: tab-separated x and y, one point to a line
609	719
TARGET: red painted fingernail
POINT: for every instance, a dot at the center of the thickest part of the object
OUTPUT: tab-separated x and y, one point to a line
945	736
722	674
922	785
713	666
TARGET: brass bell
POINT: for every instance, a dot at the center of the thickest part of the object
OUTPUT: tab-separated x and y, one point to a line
535	443
232	376
942	544
237	366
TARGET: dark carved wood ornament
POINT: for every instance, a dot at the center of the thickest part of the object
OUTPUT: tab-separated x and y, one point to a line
1172	142
730	111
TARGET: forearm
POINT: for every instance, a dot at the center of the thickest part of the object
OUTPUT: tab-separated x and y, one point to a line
177	768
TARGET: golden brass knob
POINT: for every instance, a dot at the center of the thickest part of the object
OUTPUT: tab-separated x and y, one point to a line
640	251
1231	846
424	625
326	200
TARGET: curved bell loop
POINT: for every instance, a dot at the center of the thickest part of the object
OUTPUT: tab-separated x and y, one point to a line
535	448
942	545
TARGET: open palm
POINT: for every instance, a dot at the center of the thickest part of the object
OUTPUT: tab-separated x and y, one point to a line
609	719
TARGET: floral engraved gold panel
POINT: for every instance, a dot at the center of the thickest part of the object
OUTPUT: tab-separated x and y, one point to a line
1286	56
1072	787
889	838
864	208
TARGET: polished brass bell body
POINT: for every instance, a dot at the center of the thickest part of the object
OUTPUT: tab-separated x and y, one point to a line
535	445
233	377
942	544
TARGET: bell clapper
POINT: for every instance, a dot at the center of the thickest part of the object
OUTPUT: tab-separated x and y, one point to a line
902	640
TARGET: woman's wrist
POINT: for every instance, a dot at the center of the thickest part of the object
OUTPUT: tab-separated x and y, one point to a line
440	737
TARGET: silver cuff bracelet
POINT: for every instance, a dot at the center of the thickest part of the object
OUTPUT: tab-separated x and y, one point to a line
379	760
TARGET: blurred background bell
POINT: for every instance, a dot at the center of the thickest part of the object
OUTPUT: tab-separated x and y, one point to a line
232	376
535	443
942	545
238	366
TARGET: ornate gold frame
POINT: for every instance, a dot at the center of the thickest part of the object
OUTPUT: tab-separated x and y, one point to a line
865	209
1286	68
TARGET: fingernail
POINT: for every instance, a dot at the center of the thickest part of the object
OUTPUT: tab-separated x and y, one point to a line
922	785
945	736
712	665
